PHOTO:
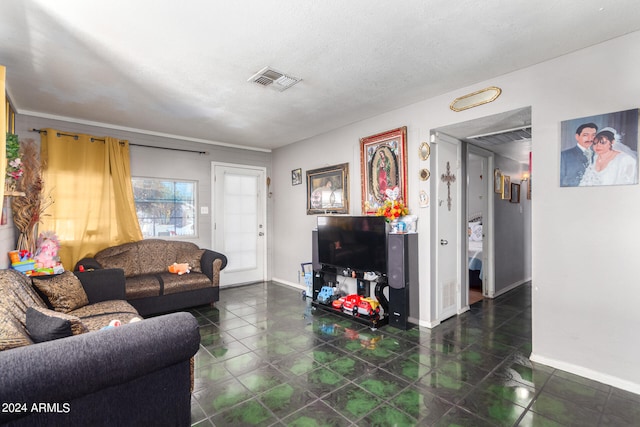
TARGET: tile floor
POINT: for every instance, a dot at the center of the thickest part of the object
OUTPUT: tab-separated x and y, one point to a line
266	358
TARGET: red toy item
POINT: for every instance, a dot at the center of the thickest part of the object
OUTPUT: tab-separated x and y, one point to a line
368	307
337	304
81	268
350	305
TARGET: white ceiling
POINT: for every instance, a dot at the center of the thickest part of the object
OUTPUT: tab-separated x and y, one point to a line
181	68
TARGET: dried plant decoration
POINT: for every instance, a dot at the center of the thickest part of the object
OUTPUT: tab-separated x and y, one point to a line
28	209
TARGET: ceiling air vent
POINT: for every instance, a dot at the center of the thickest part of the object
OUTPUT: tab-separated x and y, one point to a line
274	79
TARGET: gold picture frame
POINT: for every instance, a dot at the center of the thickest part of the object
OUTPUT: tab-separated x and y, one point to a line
424	151
506	187
328	190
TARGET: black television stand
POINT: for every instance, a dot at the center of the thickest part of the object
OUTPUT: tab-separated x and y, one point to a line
323	276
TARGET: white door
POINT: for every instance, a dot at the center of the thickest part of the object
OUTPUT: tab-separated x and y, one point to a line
447	210
483	205
239	226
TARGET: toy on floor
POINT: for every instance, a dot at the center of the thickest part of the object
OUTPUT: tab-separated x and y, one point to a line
179	269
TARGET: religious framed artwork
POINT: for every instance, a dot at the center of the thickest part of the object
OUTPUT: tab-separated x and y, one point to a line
506	187
497	181
383	168
599	150
515	193
296	176
328	190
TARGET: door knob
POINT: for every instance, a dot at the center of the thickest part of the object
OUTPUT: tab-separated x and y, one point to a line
444	242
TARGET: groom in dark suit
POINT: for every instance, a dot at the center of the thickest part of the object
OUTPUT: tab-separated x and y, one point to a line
574	161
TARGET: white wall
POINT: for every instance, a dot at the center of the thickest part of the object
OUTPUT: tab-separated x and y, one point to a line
583	246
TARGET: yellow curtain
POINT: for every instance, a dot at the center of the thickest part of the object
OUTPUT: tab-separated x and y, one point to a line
3	134
89	179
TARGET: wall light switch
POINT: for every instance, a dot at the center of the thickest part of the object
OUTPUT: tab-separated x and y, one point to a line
204	210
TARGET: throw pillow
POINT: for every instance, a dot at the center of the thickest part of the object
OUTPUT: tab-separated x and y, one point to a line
475	234
46	325
64	291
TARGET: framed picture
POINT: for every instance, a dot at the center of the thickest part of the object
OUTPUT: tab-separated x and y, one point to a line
497	181
515	193
599	150
296	176
529	189
327	190
506	187
384	168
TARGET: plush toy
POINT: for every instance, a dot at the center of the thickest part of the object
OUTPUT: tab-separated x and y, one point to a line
47	250
179	269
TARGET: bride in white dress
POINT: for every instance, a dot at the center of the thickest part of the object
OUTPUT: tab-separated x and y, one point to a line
613	164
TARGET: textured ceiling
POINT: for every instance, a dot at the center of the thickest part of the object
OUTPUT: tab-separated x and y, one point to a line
181	68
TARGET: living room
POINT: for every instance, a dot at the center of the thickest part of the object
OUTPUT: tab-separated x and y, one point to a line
582	271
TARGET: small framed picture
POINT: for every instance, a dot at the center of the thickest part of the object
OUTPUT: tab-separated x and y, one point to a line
497	181
296	176
515	193
506	187
529	189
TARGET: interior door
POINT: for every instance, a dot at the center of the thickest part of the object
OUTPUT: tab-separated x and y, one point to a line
239	215
485	193
448	238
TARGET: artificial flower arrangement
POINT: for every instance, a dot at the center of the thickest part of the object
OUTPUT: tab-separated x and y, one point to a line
392	210
15	168
393	207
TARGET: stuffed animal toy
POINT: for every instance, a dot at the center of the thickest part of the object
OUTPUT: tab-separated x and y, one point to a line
179	269
47	250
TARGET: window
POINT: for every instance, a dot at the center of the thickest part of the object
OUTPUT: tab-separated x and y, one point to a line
165	207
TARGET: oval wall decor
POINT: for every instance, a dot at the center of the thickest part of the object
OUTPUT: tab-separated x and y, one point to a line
483	96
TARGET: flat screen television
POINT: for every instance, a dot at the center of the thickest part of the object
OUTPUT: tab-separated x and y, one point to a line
355	242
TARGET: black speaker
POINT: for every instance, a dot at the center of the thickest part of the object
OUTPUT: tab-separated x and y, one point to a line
402	272
399	308
314	251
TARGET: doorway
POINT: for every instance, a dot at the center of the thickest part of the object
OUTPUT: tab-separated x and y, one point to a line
239	227
479	216
500	141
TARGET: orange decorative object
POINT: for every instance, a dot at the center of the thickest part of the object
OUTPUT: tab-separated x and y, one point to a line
14	256
179	269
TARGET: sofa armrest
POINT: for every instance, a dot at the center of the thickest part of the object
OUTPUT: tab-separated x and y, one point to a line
103	285
211	269
68	368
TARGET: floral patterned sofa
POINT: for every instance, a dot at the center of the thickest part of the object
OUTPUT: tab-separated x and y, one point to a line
150	288
58	366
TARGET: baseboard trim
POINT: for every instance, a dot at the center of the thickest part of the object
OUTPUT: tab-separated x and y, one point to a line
290	284
509	288
587	373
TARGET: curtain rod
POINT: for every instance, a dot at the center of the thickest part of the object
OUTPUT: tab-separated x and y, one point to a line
121	141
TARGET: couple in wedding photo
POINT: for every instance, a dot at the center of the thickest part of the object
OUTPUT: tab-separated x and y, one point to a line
599	156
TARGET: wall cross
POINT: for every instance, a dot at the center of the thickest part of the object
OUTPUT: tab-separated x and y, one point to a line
448	178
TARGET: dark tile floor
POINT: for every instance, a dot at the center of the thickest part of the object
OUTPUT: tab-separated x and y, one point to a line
266	358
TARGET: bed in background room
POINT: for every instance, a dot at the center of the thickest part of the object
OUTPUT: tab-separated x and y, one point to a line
475	251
